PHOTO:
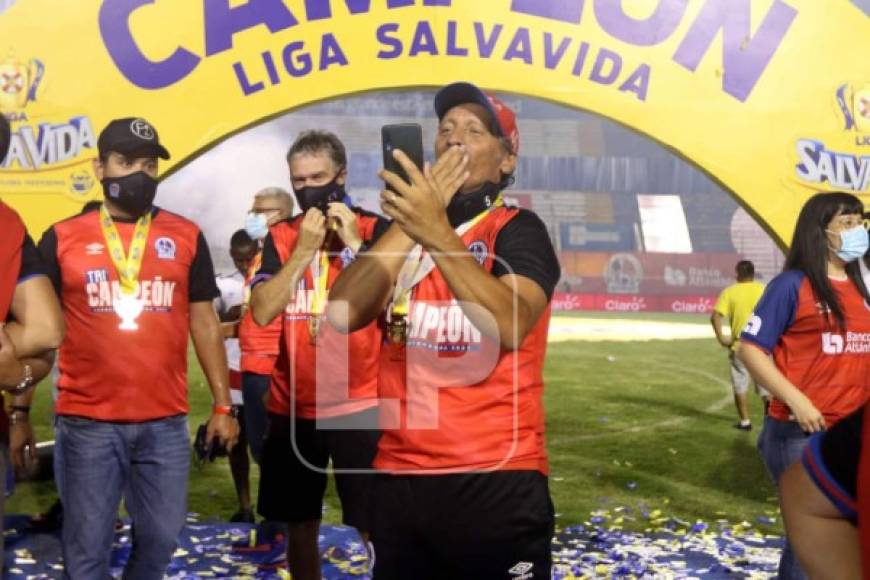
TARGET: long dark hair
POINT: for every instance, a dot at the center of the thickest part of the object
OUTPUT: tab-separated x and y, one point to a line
810	246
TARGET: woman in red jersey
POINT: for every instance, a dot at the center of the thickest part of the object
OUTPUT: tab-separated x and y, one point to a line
808	340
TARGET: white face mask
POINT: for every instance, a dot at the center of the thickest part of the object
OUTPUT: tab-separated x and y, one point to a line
853	243
256	225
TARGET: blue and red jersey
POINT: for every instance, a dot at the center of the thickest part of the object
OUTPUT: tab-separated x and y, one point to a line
830	365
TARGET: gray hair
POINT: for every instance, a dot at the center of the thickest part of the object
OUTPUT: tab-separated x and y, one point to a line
277	193
313	142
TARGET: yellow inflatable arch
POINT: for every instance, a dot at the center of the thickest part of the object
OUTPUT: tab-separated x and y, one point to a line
769	97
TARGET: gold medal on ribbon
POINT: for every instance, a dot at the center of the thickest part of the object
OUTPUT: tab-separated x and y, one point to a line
313	329
416	267
397	336
320	277
128	306
397	330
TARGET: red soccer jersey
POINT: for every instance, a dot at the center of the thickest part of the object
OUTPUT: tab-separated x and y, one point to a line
117	375
10	256
338	375
829	365
458	402
259	344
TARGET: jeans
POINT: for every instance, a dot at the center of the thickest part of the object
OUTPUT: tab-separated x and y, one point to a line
254	388
781	443
146	463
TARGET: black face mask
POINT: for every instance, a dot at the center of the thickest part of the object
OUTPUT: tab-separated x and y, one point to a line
320	196
465	206
132	193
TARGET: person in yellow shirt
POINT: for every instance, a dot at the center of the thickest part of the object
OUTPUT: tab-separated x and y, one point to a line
736	303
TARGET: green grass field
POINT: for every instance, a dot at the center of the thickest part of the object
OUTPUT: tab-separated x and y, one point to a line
628	423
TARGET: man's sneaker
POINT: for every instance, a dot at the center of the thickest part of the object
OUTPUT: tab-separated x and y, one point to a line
743	426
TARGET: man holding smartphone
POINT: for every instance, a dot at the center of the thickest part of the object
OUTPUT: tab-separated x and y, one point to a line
323	395
464	283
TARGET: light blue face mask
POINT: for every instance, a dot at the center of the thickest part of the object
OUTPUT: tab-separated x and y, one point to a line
853	244
256	225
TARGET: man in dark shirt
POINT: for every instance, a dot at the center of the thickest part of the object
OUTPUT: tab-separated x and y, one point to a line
467	283
310	414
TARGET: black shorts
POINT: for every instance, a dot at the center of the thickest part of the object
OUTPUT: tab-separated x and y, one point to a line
291	491
831	459
477	526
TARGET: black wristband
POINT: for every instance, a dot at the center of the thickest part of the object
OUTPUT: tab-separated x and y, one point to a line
20	408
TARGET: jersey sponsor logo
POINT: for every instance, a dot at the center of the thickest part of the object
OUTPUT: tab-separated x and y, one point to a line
95	249
443	328
479	250
753	327
832	343
165	248
522	571
156	294
852	342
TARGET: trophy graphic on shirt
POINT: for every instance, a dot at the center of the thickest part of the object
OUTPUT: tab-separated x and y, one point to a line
128	308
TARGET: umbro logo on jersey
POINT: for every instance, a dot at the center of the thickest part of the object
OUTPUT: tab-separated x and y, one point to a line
95	249
522	571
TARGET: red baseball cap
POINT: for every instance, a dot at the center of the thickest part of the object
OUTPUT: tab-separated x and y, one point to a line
461	93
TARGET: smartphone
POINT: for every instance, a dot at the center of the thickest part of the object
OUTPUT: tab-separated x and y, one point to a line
408	137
